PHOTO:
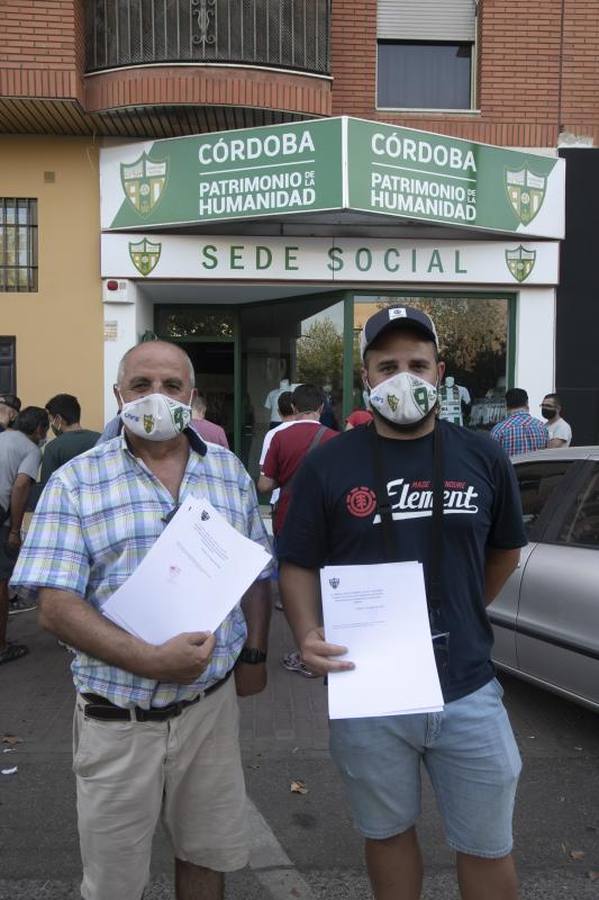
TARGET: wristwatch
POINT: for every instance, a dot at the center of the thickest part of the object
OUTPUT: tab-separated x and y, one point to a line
252	656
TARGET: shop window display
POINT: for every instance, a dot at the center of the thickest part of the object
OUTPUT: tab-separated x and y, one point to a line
473	333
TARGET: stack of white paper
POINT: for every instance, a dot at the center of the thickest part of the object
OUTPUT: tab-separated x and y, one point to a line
191	578
379	613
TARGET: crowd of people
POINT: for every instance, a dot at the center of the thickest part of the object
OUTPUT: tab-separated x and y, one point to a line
155	727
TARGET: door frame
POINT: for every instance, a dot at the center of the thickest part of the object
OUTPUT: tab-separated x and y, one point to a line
231	309
347	296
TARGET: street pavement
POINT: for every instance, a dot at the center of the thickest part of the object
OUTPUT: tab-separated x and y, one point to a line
305	846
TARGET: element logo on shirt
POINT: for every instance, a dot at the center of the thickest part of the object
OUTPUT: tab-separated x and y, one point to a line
414	500
361	502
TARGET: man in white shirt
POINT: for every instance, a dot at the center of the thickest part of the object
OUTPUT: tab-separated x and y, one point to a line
288	417
560	433
271	402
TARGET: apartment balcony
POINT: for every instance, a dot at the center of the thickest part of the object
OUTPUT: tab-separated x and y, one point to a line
282	34
251	60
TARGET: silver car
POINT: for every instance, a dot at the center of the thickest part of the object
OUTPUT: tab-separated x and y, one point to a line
546	618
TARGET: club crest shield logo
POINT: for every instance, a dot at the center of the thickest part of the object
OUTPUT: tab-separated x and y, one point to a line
393	401
144	182
205	516
520	262
145	255
334	582
148	423
526	192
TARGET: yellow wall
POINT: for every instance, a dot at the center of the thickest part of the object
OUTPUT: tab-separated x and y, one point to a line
58	329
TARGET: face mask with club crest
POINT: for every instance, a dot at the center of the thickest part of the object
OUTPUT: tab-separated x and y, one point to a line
155	417
403	399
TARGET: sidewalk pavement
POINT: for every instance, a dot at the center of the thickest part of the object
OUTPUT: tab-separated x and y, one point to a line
305	845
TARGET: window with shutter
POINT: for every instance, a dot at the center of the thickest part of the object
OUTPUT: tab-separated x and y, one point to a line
425	54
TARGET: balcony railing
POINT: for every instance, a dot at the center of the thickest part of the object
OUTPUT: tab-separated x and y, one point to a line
289	34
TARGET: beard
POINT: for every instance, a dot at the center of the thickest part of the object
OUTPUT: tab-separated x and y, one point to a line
405	429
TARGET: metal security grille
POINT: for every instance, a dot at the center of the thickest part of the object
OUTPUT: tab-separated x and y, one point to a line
18	244
292	34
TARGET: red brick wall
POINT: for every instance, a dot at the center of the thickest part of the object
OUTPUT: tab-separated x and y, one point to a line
521	57
580	77
39	54
253	88
533	81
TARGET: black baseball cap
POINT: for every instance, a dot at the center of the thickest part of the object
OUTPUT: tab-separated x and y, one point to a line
397	317
11	400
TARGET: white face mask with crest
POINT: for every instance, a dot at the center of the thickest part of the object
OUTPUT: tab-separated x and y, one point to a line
155	417
403	399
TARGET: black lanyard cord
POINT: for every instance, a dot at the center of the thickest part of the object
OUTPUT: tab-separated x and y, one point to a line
384	510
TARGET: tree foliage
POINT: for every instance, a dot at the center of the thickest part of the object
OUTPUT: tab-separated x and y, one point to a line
320	355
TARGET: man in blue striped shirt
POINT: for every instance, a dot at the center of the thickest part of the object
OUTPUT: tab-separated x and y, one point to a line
155	727
519	432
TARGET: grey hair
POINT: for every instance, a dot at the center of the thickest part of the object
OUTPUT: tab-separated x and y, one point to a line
121	369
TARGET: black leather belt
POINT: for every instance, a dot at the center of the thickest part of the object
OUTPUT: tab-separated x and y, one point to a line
97	707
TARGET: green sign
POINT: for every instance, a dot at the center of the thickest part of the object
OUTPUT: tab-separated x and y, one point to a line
144	256
339	164
251	173
431	177
520	262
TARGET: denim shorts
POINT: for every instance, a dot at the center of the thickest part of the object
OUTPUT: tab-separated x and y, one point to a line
471	757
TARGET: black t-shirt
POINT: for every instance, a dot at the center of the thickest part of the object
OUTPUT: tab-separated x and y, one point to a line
333	520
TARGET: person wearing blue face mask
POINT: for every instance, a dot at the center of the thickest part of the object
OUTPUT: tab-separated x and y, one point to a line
411	487
155	727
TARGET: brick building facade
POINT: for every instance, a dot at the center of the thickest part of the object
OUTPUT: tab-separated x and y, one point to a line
73	79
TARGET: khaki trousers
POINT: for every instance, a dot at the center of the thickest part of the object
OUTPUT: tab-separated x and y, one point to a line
129	773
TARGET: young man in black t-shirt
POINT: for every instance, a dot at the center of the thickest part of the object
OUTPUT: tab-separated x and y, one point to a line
468	748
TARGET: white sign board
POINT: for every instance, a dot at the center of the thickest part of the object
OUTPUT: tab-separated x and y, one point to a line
329	260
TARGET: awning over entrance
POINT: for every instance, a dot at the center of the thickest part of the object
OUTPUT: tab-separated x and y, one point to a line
340	170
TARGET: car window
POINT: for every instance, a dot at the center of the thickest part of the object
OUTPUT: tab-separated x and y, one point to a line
581	525
537	481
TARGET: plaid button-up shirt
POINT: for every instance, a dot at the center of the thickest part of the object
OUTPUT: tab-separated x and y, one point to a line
520	433
96	520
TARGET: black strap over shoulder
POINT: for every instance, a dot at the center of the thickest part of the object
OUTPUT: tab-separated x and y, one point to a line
318	436
384	509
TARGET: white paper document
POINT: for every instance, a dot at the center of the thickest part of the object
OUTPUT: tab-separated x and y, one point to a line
379	613
190	579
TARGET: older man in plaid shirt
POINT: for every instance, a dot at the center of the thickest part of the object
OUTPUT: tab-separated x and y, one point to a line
155	727
519	432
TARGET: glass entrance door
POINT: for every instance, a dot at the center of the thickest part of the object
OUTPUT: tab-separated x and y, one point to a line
285	343
209	337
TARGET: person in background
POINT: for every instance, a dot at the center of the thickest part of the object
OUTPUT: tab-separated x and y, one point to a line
519	432
70	438
327	416
210	431
560	433
271	402
288	417
358	417
288	449
20	458
9	407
